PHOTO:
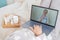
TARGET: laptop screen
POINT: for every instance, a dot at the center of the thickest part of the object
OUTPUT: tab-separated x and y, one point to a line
44	15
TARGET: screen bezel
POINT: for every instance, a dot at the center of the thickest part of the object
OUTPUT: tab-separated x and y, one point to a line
41	22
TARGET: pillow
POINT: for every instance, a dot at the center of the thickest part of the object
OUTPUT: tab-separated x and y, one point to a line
28	3
37	2
19	1
25	8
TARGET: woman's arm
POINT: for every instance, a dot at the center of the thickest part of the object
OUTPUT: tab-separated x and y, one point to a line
41	18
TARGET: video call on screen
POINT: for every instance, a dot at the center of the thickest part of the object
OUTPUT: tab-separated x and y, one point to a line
43	15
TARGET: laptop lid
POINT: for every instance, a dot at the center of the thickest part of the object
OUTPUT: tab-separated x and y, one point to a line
44	15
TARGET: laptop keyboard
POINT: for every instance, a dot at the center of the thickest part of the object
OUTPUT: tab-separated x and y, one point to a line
45	29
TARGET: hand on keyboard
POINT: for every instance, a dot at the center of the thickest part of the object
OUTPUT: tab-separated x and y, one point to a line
37	30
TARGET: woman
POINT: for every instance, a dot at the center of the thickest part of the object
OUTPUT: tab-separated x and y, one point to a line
28	34
44	18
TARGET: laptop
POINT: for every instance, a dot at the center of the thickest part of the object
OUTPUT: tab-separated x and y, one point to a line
46	17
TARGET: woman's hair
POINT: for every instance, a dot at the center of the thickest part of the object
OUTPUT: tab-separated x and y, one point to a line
45	11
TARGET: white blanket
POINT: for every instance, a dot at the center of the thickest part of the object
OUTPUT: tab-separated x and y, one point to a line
25	34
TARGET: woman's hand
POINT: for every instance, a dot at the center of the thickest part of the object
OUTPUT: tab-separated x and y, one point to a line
37	30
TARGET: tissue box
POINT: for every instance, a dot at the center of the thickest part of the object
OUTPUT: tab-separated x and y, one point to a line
11	21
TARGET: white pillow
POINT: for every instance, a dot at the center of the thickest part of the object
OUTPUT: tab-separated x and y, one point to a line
37	2
25	9
27	5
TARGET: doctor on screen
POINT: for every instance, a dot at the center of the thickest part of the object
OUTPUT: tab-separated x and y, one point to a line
44	18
